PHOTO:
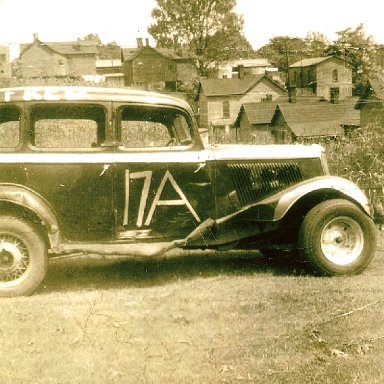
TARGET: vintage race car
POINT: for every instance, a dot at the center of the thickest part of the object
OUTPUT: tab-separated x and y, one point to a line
125	172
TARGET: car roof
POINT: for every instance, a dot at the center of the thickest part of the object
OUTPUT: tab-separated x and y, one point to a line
77	93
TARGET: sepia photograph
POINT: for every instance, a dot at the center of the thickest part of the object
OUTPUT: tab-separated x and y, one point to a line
191	192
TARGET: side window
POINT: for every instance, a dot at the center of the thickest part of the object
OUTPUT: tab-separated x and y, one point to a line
226	110
152	127
67	126
335	75
9	127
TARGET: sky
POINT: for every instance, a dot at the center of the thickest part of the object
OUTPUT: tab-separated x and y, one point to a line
123	21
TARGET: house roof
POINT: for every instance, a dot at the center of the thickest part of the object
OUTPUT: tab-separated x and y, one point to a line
249	63
79	47
258	113
233	86
313	61
108	52
319	120
130	53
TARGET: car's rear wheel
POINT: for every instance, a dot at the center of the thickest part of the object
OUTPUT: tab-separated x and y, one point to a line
337	238
23	257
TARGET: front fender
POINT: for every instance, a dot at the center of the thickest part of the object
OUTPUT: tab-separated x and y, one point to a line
288	198
30	200
265	216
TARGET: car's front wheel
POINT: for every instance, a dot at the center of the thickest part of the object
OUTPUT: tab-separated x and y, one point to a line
23	257
337	238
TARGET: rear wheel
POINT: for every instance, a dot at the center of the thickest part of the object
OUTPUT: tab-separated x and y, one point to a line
23	257
337	238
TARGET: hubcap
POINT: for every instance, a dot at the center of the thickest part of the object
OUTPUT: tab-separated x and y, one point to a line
14	259
342	241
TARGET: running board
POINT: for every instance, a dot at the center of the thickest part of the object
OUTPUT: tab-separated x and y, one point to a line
67	250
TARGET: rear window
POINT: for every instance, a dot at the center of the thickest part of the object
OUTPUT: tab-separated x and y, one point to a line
10	117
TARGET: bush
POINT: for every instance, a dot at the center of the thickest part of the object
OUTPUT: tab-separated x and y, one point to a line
359	156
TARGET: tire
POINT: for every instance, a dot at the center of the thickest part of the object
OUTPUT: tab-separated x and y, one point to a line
337	238
23	257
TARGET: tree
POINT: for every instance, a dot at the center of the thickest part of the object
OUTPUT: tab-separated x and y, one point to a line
282	51
359	50
210	30
92	37
316	43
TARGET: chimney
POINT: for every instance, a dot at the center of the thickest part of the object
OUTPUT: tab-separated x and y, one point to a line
146	42
139	42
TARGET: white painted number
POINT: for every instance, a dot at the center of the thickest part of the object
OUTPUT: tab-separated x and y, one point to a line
147	176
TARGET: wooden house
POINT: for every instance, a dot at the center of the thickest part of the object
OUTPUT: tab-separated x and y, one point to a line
157	68
248	67
109	66
58	59
313	122
220	100
283	122
327	77
254	123
371	103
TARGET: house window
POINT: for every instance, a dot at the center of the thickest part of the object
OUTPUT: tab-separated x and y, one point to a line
335	75
226	111
267	99
61	62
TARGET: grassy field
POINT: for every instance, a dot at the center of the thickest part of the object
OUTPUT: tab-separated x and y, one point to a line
200	318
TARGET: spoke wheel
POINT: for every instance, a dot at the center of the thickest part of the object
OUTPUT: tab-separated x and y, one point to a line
23	257
14	259
337	238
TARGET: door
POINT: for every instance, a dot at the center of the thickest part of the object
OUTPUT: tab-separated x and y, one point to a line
70	167
162	180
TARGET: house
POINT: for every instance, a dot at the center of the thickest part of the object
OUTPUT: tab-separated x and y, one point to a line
284	122
58	59
249	67
327	77
157	68
109	66
371	103
254	123
5	64
220	100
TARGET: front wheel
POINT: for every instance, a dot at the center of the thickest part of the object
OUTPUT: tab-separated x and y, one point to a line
337	238
23	257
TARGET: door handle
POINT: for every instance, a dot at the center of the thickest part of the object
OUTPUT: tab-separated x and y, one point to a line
105	169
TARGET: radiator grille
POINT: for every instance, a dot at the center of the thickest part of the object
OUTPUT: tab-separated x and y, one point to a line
256	181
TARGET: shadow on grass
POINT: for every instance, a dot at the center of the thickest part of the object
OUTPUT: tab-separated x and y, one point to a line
90	273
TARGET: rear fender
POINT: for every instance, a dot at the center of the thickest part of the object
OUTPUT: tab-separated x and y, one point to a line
30	200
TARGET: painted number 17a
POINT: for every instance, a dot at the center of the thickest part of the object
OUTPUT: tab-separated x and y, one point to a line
157	201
